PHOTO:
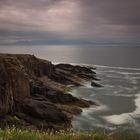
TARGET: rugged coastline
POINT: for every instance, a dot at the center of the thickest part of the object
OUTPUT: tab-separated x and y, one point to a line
33	92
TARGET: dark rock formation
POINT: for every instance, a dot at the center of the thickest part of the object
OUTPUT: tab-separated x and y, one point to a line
94	84
75	69
34	90
43	110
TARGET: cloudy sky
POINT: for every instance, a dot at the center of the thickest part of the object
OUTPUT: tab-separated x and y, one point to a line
53	20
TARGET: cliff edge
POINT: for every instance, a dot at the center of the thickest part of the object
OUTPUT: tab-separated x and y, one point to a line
33	92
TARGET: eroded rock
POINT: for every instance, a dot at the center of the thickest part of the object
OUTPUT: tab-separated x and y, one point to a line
34	90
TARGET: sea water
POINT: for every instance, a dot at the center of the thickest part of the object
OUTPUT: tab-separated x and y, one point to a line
118	100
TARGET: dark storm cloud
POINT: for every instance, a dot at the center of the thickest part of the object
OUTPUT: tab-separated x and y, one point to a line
27	4
119	19
88	19
124	12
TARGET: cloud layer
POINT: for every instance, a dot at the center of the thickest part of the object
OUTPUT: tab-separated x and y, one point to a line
69	19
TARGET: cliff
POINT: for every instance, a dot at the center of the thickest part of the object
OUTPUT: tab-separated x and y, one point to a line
33	92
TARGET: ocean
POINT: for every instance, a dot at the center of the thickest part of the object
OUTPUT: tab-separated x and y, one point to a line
118	100
118	68
112	55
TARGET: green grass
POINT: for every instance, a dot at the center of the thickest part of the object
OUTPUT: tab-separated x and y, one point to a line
21	134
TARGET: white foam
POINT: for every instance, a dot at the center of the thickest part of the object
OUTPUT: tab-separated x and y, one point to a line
137	103
118	119
132	90
121	68
108	86
126	117
128	73
102	108
119	95
87	111
102	66
120	72
136	78
79	64
134	81
87	84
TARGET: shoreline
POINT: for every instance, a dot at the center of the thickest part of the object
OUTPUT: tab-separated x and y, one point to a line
119	94
35	92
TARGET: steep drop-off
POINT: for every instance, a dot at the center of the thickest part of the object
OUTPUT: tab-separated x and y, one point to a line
33	92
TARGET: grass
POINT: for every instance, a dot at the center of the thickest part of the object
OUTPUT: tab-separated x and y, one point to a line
14	133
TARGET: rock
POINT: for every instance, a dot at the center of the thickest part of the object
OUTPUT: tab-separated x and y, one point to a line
59	97
85	73
62	78
14	84
96	79
76	69
94	84
34	90
44	111
5	94
36	66
38	88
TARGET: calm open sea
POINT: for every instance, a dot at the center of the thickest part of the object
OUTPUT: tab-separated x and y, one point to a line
99	55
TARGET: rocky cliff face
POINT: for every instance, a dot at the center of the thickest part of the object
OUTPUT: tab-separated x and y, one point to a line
14	84
33	92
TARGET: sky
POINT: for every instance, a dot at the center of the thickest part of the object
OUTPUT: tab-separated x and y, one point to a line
69	21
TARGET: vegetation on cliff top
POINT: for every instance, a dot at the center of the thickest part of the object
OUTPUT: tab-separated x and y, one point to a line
20	134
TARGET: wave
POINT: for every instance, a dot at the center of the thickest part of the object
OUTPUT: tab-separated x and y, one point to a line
100	108
112	80
126	117
102	66
121	68
106	66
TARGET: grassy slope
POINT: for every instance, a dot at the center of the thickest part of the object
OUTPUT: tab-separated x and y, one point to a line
18	134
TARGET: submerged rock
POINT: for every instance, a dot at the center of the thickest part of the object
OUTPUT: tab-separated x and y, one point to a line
94	84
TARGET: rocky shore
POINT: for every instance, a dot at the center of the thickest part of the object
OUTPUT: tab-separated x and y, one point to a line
33	92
